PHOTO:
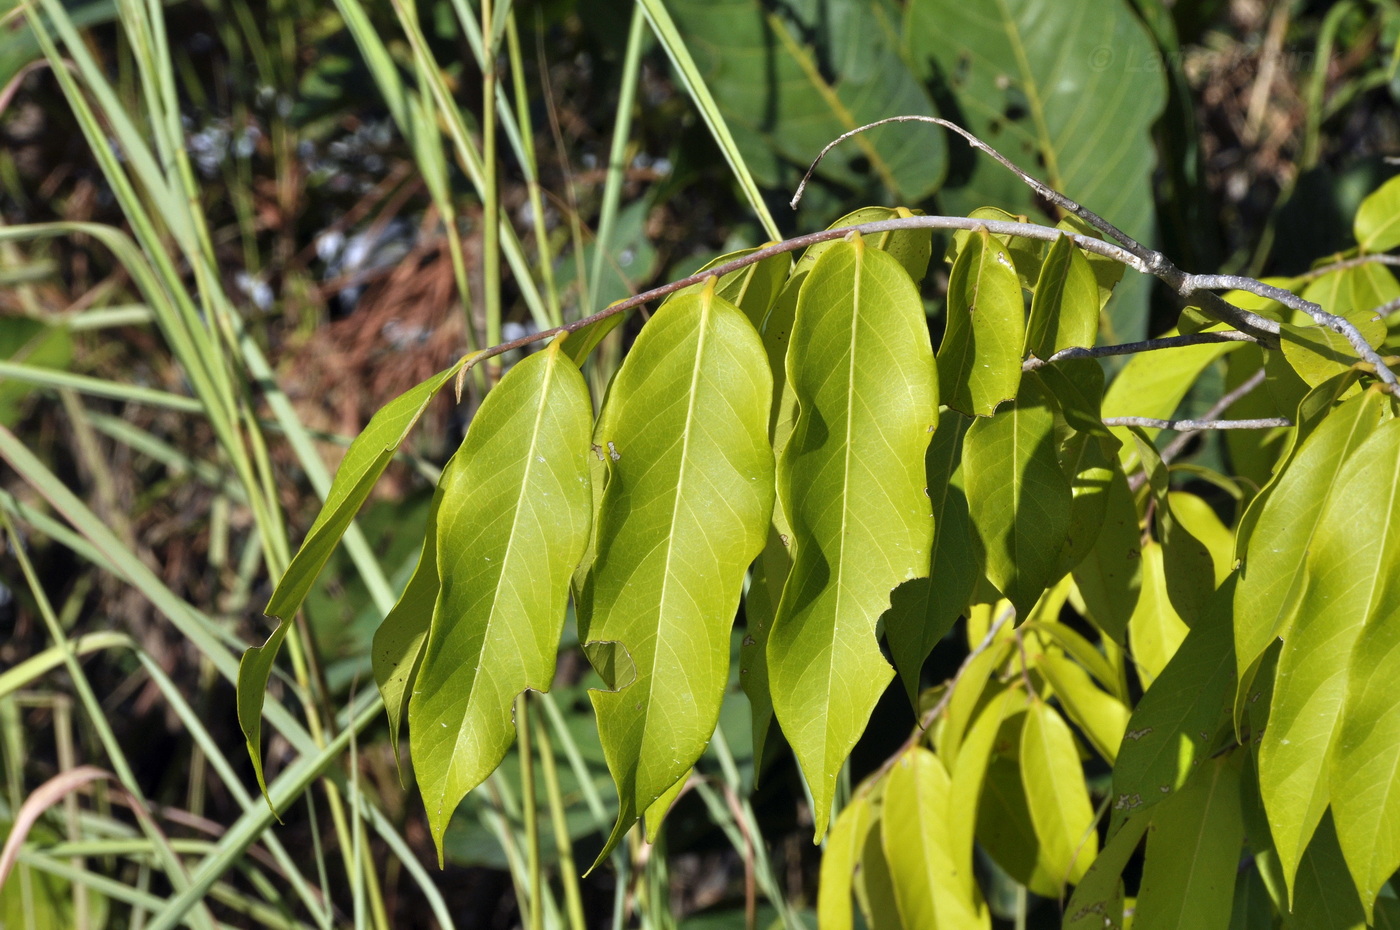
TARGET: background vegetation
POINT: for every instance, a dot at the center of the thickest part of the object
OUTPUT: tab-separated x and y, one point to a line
234	230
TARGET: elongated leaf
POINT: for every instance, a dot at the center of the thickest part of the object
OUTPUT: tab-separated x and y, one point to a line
1364	768
911	248
1100	716
851	482
1174	724
967	697
1109	578
1028	76
254	671
1059	803
511	524
364	462
398	643
1188	567
686	508
928	889
1272	575
874	881
839	860
1193	853
1065	308
1323	896
1097	902
922	611
1354	557
969	776
979	362
1155	630
1004	827
1377	224
1017	495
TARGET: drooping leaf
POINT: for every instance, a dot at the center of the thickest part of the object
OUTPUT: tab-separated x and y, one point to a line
1004	828
1203	524
842	854
1097	901
773	87
979	362
1272	576
851	481
512	521
1109	578
969	776
688	500
1173	726
1352	563
1028	76
1377	223
1100	716
1018	497
967	698
922	611
254	670
1193	853
874	880
1364	768
929	890
1155	630
1055	794
1324	897
364	462
1187	565
398	643
1065	308
752	289
766	581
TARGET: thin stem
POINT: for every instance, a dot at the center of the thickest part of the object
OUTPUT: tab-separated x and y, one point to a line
568	874
1356	261
1226	401
1133	348
491	213
529	808
1197	425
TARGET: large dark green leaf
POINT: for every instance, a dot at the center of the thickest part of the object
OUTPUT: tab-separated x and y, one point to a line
979	362
851	482
686	508
1067	91
1017	495
511	525
1193	853
773	79
1352	564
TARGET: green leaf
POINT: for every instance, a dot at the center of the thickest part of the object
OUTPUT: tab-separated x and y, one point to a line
364	462
1100	716
1017	495
1065	308
911	248
1109	578
1097	902
398	643
1193	853
922	611
771	73
874	881
929	889
1272	576
979	362
1186	562
1004	828
1364	768
511	524
969	776
1317	353
1324	897
1202	524
685	510
1155	630
1028	76
1354	556
1175	723
254	670
1056	796
839	860
967	697
1377	223
33	343
851	480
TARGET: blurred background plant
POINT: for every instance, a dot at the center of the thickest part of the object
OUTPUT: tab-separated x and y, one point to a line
233	229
